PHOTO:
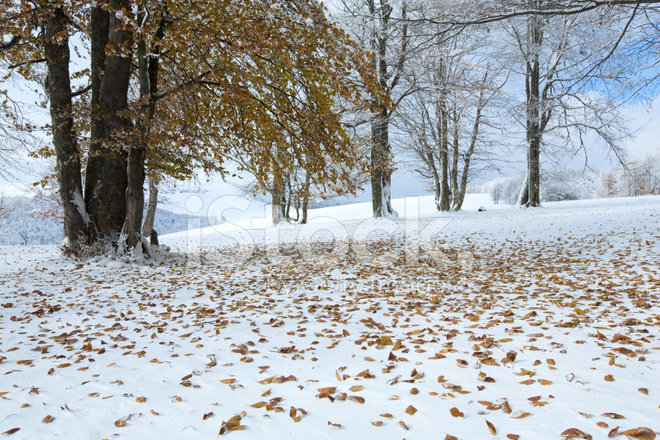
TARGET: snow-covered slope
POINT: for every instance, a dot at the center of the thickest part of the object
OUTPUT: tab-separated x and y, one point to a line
518	323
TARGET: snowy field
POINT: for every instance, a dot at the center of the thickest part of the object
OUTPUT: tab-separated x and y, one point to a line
509	323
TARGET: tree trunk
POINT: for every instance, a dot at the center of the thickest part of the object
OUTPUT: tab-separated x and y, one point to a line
445	192
532	89
64	139
305	198
381	170
276	199
455	156
459	197
150	215
106	179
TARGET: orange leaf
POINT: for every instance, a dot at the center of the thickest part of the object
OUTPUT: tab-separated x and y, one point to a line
48	419
575	433
640	433
411	410
455	412
491	427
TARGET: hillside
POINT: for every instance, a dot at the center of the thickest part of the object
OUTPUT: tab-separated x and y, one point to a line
512	324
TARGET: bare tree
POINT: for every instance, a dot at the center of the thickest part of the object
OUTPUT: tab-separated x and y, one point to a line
444	119
559	59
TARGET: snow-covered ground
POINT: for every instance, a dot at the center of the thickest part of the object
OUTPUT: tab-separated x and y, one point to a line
509	322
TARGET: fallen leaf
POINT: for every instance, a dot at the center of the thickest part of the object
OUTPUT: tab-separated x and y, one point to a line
520	414
642	433
575	433
48	419
613	416
11	431
455	412
207	416
357	399
141	399
378	423
411	410
491	428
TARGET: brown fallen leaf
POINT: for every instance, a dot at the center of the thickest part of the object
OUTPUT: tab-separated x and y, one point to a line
356	388
357	399
11	431
520	415
644	391
614	416
609	378
207	416
491	428
378	423
48	419
545	382
527	382
642	433
450	437
513	436
233	424
336	425
455	412
141	399
411	410
575	433
403	425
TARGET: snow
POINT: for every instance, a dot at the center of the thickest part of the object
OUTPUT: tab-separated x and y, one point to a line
173	349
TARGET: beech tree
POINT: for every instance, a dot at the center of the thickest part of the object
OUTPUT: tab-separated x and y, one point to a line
179	85
383	26
445	117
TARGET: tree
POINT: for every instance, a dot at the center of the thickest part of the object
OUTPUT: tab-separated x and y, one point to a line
213	79
559	56
382	26
444	118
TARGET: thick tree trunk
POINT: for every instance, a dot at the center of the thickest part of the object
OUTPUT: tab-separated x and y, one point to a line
106	179
534	132
134	196
381	169
66	148
150	215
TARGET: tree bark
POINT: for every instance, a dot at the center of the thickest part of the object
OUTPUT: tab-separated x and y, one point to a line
64	139
150	215
106	178
381	170
532	196
276	194
445	192
305	197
